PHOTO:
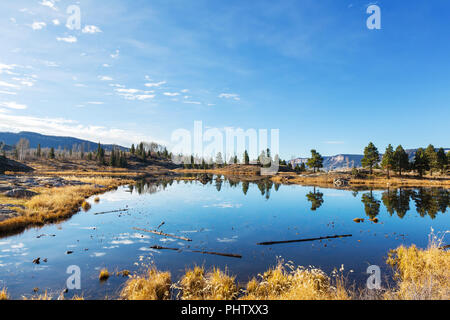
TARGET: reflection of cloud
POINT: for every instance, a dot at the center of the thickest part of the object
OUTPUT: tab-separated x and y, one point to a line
227	240
126	242
98	254
224	205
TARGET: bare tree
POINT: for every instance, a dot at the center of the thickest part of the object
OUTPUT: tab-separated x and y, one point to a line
22	148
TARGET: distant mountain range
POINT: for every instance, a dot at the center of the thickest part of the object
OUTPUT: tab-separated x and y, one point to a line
347	161
10	139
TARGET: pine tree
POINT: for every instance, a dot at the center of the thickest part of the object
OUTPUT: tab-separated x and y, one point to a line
52	153
371	157
388	160
132	150
246	158
219	159
38	151
421	163
316	160
431	154
441	160
401	160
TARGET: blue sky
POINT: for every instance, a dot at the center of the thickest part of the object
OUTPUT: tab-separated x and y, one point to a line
138	70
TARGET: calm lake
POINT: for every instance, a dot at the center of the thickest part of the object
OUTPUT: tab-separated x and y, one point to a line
225	217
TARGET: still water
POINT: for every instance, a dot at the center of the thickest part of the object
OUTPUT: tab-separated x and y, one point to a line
225	217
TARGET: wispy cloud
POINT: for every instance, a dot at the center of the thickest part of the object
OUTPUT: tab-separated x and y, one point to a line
115	55
8	85
171	94
69	39
13	105
38	25
49	3
105	78
233	96
155	84
91	29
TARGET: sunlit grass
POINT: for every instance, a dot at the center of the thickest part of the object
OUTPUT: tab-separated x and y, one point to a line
154	285
4	294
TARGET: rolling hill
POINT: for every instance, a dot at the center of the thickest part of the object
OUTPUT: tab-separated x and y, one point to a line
11	139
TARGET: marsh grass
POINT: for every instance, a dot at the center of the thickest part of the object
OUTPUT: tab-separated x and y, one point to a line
154	285
55	204
421	274
4	294
214	285
104	275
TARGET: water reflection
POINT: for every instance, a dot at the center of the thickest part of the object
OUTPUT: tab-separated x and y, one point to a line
316	199
427	201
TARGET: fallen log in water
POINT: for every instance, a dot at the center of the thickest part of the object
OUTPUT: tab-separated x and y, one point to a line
159	233
230	255
303	240
120	210
445	247
164	248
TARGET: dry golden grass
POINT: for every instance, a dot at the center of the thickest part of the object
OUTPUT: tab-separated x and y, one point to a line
104	275
215	285
421	274
283	283
4	294
155	285
55	204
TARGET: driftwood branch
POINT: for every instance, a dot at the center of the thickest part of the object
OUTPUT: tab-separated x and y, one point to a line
303	240
230	255
159	233
120	210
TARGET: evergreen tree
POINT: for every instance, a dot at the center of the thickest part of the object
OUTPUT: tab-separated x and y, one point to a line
421	163
316	160
38	151
246	158
100	156
132	150
371	157
388	160
219	159
441	160
431	155
52	153
401	160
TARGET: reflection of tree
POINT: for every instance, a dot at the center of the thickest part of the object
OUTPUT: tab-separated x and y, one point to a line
219	183
245	185
277	186
397	201
371	205
316	199
431	201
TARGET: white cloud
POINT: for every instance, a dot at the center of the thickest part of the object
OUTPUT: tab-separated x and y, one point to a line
130	91
56	22
91	29
7	92
105	78
8	85
171	94
155	84
192	102
38	25
95	102
105	65
50	64
64	127
49	3
233	96
144	96
6	68
115	55
13	105
185	90
69	39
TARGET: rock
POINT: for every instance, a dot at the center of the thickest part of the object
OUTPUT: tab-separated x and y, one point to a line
14	166
20	193
340	182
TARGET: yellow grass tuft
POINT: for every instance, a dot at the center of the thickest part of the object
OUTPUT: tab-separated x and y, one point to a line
4	294
421	274
104	275
97	200
86	206
215	285
294	284
155	285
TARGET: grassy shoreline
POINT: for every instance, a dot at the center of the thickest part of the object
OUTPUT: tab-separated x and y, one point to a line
55	204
